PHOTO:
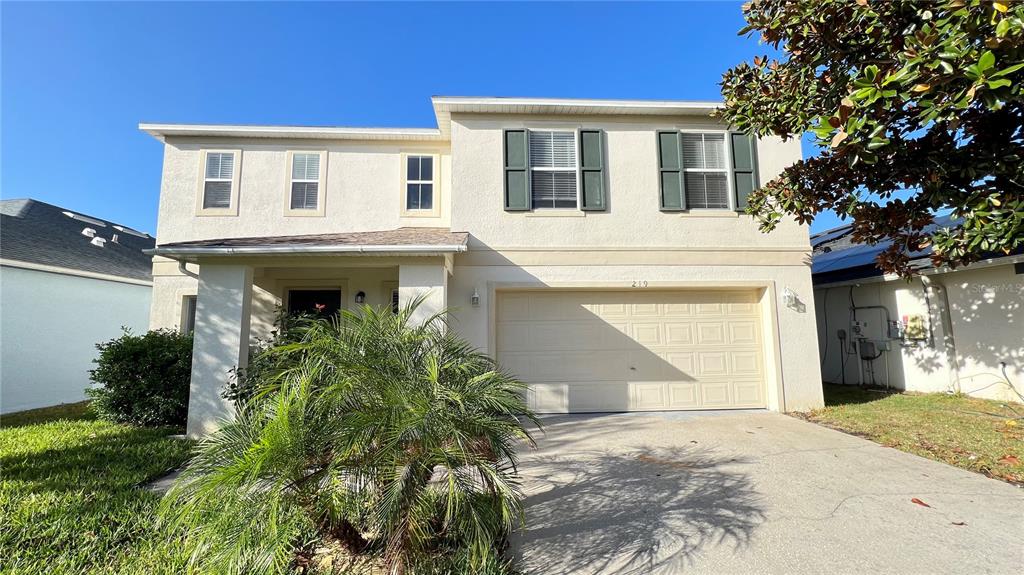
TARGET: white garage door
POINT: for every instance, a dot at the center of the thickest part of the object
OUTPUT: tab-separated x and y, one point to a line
592	351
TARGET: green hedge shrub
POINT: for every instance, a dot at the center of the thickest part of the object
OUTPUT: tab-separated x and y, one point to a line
143	379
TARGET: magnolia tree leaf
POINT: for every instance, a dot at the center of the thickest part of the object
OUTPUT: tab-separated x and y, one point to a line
924	99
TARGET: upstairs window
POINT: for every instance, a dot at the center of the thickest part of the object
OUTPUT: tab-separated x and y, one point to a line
219	180
419	183
217	193
305	195
553	169
705	171
305	188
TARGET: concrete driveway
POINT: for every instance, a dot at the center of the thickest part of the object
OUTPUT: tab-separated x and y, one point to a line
753	492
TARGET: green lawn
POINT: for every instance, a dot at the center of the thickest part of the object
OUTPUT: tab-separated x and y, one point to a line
71	499
975	434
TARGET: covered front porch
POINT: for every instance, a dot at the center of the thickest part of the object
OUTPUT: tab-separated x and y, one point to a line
245	283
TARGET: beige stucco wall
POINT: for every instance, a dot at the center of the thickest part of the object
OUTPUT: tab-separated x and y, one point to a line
985	309
363	189
632	218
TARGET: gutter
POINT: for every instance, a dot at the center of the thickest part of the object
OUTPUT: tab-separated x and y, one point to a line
304	250
73	272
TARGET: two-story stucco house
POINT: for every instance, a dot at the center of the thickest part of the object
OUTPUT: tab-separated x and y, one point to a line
596	248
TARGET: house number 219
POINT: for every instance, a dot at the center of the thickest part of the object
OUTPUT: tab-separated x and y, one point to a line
640	283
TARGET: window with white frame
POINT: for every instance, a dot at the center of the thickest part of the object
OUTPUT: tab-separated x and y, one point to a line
419	183
305	183
705	166
553	169
188	314
218	179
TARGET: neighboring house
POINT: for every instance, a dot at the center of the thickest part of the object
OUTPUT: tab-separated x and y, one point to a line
67	282
595	247
944	331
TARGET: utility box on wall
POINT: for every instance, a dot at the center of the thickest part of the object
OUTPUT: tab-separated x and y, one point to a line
915	327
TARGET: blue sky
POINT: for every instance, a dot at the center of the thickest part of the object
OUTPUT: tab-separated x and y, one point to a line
77	78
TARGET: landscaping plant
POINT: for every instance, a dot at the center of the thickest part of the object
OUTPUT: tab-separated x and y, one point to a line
143	379
381	436
917	106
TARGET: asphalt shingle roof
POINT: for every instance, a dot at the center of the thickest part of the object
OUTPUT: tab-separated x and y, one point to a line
40	233
838	258
399	237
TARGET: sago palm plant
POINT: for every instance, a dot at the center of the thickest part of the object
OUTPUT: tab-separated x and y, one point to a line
397	438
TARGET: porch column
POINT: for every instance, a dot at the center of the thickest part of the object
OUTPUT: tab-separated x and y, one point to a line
427	280
221	342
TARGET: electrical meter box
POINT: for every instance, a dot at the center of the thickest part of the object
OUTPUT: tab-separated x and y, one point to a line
914	327
858	328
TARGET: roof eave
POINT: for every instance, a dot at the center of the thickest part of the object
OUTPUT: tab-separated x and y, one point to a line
175	252
162	131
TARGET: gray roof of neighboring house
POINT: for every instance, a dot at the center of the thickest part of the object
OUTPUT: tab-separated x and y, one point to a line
39	233
399	240
837	258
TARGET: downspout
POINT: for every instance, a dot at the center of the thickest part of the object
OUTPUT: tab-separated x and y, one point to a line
948	341
184	270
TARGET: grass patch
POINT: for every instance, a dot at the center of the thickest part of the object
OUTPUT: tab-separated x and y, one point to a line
974	434
71	495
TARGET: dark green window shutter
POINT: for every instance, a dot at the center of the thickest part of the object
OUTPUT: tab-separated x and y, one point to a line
517	182
670	172
744	167
592	170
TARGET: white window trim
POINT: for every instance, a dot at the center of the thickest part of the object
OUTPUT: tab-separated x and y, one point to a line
730	192
321	187
555	212
435	209
184	324
232	209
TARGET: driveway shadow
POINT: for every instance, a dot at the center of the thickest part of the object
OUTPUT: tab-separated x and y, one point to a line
643	510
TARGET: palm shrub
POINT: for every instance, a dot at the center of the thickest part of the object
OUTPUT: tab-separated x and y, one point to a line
397	439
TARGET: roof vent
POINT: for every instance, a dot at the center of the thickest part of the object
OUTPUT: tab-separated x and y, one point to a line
85	219
130	231
89	233
98	242
113	239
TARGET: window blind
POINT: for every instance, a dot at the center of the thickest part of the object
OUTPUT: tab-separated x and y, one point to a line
554	189
552	150
217	195
306	167
219	165
304	195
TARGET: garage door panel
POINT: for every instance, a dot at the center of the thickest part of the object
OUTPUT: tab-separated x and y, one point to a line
749	393
648	333
649	350
743	332
648	396
683	395
710	333
715	395
746	363
548	397
599	396
678	333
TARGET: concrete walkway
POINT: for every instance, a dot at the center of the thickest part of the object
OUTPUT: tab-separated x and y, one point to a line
753	492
